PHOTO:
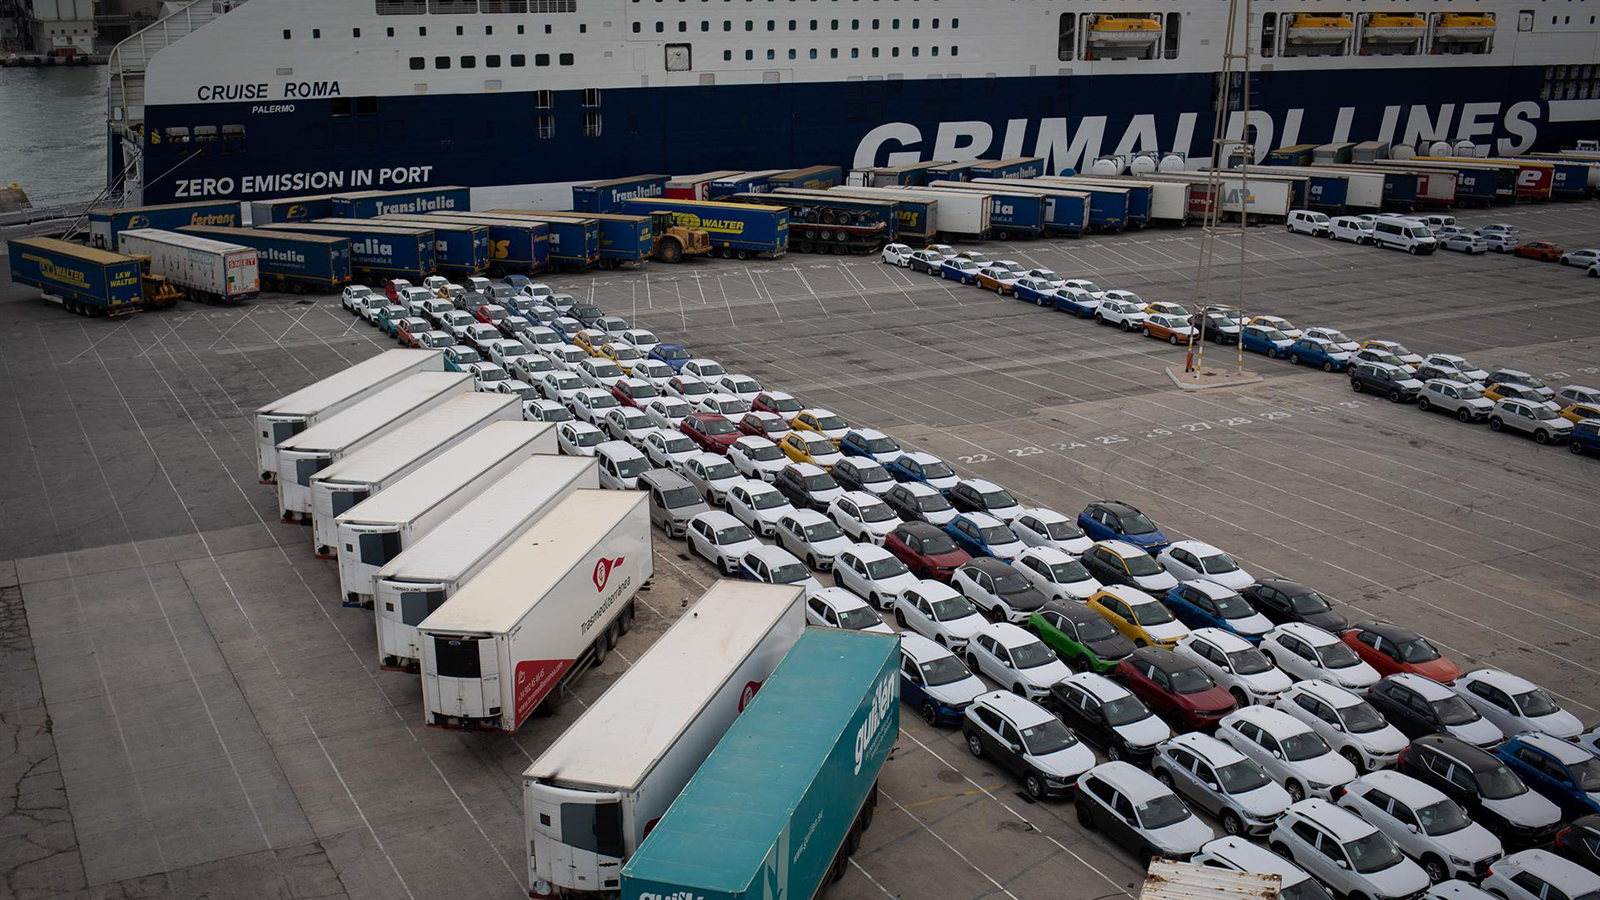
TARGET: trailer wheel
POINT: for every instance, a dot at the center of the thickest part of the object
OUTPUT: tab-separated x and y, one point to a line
804	247
836	871
670	251
870	809
625	619
811	215
852	841
602	646
744	254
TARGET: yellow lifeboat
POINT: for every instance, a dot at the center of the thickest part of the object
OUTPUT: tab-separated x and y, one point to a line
1464	27
1394	28
1309	28
1124	31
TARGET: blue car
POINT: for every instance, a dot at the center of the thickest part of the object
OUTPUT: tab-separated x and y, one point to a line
981	534
458	358
1271	341
1078	302
924	468
1585	437
1320	353
868	442
960	269
1034	290
674	355
1113	520
1564	772
942	687
1201	604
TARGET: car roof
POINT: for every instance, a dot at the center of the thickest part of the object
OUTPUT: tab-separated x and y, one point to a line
1211	589
868	433
1198	548
1270	719
860	463
988	564
1121	548
866	552
1163	659
918	456
861	498
1564	752
1022	712
919	529
933	590
763	414
1044	514
1211	749
1221	639
772	555
839	598
806	470
981	484
1127	593
1132	783
1007	634
807	516
920	489
1099	686
921	649
1429	689
1387	631
754	441
1476	759
1402	787
1310	633
718	518
1342	823
1053	555
664	479
1335	695
981	519
1252	857
1572	879
1505	681
619	450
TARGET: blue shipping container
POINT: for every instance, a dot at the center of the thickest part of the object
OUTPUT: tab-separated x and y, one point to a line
107	223
1399	190
623	238
574	242
291	209
950	172
770	808
608	196
736	229
815	178
1018	167
372	204
291	260
103	281
514	246
462	248
1328	193
743	183
379	252
1108	207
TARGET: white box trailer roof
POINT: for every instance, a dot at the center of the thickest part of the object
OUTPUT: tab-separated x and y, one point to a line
539	615
408	588
1169	202
640	743
312	450
377	530
293	413
1269	196
371	469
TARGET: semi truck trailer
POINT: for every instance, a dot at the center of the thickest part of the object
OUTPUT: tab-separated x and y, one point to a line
291	209
204	270
459	248
82	279
695	187
108	223
288	262
371	204
1066	211
514	246
591	797
623	238
574	243
608	196
735	229
379	252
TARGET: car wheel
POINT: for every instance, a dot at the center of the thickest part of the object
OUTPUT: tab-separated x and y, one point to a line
1019	690
874	602
1394	396
929	714
1085	818
1079	664
1495	424
1327	365
1294	358
1239	697
1231	823
1114	751
1034	785
1435	868
1282	849
1576	448
1146	331
1541	436
974	746
899	617
811	560
1422	404
1296	792
1099	319
1354	759
1272	353
1165	777
1000	290
972	660
1355	385
1464	415
1127	326
1172	339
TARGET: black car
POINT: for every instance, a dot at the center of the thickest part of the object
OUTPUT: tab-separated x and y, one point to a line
856	474
1418	706
1110	717
1289	601
1102	646
1580	842
802	488
1480	781
1384	380
913	505
1216	329
970	496
927	262
1014	732
1110	568
586	313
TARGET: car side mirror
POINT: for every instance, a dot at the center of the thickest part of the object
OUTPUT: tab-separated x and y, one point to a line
1277	754
1212	786
1344	864
1411	827
1015	747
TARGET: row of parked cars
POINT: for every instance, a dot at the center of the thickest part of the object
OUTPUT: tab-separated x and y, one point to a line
1507	399
1427	233
1251	699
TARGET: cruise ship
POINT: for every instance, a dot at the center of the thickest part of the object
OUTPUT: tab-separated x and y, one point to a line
519	99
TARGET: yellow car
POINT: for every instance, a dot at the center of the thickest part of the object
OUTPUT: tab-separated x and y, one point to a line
590	340
1140	617
820	421
1165	308
1507	390
810	448
1278	322
624	355
1577	412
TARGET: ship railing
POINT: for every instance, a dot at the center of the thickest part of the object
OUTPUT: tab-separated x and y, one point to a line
130	57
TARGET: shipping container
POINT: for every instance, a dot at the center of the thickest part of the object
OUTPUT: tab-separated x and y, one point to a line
821	221
372	204
591	797
288	262
695	187
968	216
1269	198
1107	206
514	246
1475	185
1534	179
743	183
736	229
949	171
459	248
1369	151
1362	186
344	432
379	252
573	244
780	804
1012	214
1065	212
430	568
82	279
107	223
816	178
1016	167
1336	153
1298	155
380	528
915	219
291	209
1136	198
1507	187
1168	203
1589	165
1168	880
544	611
623	238
369	471
293	413
914	175
205	270
608	196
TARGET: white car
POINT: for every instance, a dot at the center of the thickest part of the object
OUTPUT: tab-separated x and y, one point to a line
1148	817
1040	527
1199	561
668	449
620	465
1332	336
1305	221
742	386
757	457
530	367
1288	749
1352	229
624	423
1015	659
1056	574
1217	778
863	517
1346	853
537	290
641	339
355	297
1029	739
1530	417
654	371
565	356
1577	393
1235	664
578	438
505	351
1459	366
1540	875
722	404
1122	296
813	537
1127	316
516	386
1425	824
1516	705
774	565
1087	287
1348	723
1235	854
999	590
591	404
896	255
545	411
712	474
1580	258
599	372
721	539
873	573
1458	398
1456	889
835	607
1305	651
938	612
707	370
667	412
687	389
487	375
758	505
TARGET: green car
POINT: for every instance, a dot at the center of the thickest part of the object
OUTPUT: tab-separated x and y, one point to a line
388	317
1083	638
457	358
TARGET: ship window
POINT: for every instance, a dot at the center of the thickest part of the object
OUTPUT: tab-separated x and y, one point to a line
791	53
545	127
286	34
316	34
460	30
749	25
355	32
855	52
874	52
682	27
749	54
636	28
492	61
833	53
423	31
727	56
660	27
727	25
793	24
469	62
566	59
834	24
366	106
933	51
541	98
875	23
855	24
401	8
391	32
772	54
1269	33
916	51
591	97
705	26
1066	35
916	23
518	60
488	29
955	51
772	25
339	107
441	62
894	23
955	23
591	124
417	62
1171	37
541	59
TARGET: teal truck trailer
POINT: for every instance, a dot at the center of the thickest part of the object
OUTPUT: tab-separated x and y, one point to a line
780	804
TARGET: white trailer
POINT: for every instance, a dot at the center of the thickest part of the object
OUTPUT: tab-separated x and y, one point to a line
1268	197
379	529
1168	202
291	414
339	435
206	270
960	215
370	470
410	587
1055	217
608	778
1364	186
537	617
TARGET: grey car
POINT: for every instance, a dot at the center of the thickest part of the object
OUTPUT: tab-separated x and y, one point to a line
1463	401
1464	242
673	500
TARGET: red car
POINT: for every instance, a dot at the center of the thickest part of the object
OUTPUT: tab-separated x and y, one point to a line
711	431
765	425
1391	650
778	402
1176	688
393	287
634	392
1543	250
927	550
491	314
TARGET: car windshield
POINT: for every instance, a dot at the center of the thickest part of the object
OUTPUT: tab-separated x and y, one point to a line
1010	582
1273	334
823	482
888	567
764	453
1453	710
1248	661
768	500
1095	629
641	337
790	573
627	353
1588	773
1155	613
1049	736
1543	412
1499	783
717	426
720	470
882	445
633	467
937	468
603	400
944	670
997	534
1234	606
1236	778
512	348
1372	853
952	608
586	438
672	353
820	447
1336	337
1468	392
465	355
1191	681
1536	703
937	543
1125	711
1417	651
745	386
1444	817
734	534
1068	572
1305	889
933	503
555	414
674	409
829	423
1337	655
493	375
566	381
869	474
1159	812
1142	564
1308	603
709	369
1063	531
693	388
1304	746
999	499
678	443
1138	523
859	618
823	531
643	391
1219	564
876	512
1032	656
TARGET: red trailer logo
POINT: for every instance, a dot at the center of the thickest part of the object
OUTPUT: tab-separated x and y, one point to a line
535	679
749	694
602	571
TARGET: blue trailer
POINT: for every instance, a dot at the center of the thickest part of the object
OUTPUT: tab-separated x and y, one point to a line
1399	190
83	279
513	246
1328	193
372	204
813	178
1139	196
608	196
623	238
1108	207
1016	167
107	223
289	262
949	171
1014	214
743	183
779	805
574	243
736	229
1297	155
1065	211
291	209
378	252
463	247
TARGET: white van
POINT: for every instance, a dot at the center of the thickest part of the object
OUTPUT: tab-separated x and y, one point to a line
1304	221
1354	229
1410	235
1438	221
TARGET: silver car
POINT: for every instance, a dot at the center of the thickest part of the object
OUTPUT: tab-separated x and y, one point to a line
1461	400
1535	419
1430	827
1345	853
1464	242
1218	779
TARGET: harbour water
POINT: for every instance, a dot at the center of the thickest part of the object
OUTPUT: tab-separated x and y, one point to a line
53	132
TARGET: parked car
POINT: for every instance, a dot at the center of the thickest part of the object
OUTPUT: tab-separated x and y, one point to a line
1483	784
1391	649
813	537
873	573
757	458
1347	722
1119	562
1385	380
1199	561
1540	875
1346	853
1024	737
981	534
938	612
1203	604
758	505
1108	715
711	431
776	402
1544	251
1425	824
807	486
1175	687
1562	771
1290	601
1058	575
712	475
1269	341
1459	399
1083	639
935	681
1580	842
1516	705
1138	812
978	495
1016	659
1310	351
668	449
859	473
1580	258
1140	617
998	590
1235	665
673	501
1039	527
916	502
869	443
1306	651
1218	779
835	607
1419	706
926	549
923	468
1235	854
1106	520
774	565
721	539
863	517
1536	419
